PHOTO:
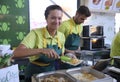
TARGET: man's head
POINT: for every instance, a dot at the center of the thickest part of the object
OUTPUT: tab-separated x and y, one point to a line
81	14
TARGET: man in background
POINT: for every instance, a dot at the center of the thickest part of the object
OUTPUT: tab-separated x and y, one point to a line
72	29
115	49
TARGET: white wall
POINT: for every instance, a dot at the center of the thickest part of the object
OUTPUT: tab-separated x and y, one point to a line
117	22
37	9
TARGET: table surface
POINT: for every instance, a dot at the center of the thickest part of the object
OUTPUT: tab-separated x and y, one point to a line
92	53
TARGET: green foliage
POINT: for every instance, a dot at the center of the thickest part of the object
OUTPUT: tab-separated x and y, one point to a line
4	60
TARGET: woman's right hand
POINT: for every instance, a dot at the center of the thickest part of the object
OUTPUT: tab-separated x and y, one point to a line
51	53
71	55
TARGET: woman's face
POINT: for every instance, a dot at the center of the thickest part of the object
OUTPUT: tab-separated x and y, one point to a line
54	19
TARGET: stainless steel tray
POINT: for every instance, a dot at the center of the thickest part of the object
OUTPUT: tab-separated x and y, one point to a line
42	76
101	77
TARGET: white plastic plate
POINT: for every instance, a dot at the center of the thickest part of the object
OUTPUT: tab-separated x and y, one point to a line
80	61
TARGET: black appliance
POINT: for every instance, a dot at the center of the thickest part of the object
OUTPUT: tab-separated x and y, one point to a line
92	30
93	37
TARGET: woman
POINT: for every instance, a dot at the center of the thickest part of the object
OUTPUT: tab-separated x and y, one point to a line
44	45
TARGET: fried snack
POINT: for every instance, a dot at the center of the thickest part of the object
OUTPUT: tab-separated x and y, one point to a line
84	77
88	76
53	79
74	61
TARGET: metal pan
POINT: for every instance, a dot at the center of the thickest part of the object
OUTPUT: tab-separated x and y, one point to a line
100	77
42	76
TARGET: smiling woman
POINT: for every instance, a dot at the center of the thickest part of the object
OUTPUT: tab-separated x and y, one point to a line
43	45
37	9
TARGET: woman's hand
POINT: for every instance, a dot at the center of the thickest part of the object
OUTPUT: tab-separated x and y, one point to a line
71	55
51	53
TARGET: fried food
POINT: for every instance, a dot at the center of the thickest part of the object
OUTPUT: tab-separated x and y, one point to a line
87	77
53	79
74	61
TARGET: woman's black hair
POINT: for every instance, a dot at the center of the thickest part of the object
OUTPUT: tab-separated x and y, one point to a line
51	7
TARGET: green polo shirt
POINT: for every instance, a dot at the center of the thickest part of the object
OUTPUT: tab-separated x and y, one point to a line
115	47
67	27
35	39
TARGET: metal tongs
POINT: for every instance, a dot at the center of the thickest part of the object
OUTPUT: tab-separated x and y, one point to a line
102	64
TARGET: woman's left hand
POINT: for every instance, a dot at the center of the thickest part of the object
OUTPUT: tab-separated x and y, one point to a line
71	55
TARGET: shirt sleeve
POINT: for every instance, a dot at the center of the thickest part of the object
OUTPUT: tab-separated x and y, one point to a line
30	40
115	48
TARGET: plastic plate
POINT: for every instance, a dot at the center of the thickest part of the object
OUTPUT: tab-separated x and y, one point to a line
79	62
